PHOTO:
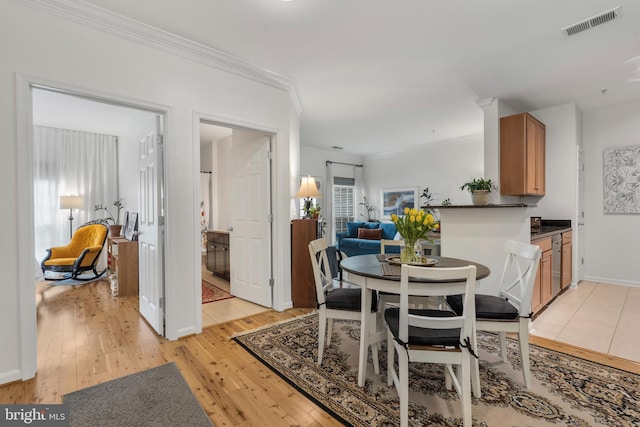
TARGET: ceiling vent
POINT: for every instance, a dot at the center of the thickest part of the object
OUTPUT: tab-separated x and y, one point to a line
594	21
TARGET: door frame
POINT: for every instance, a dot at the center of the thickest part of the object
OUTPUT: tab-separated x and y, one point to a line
199	117
24	135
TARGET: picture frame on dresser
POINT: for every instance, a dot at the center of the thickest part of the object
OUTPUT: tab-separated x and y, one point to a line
130	232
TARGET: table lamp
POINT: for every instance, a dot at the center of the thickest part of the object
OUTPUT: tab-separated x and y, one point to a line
308	190
71	203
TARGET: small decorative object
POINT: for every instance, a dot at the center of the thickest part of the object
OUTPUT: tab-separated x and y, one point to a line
369	208
480	189
412	226
130	233
446	202
314	211
115	226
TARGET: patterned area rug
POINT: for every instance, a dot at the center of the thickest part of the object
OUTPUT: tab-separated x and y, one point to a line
566	390
155	397
211	293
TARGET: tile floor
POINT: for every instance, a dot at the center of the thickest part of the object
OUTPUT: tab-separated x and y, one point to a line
228	309
596	316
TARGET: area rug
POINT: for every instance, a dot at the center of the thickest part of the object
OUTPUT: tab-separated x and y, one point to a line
566	390
155	397
211	293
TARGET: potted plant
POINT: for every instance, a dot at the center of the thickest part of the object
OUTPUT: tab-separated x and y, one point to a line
314	212
114	223
480	189
369	208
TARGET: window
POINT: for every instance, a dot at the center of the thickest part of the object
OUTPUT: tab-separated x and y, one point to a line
343	204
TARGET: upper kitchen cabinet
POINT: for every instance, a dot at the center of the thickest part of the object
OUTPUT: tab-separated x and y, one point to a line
522	155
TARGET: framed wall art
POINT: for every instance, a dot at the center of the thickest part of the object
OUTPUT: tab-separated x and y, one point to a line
130	233
394	200
622	180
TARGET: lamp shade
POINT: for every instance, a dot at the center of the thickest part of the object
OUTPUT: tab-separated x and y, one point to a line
308	188
70	202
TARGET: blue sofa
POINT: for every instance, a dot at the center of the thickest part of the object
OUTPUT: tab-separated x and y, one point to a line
350	244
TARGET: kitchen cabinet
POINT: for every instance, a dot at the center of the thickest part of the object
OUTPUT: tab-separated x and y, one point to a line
122	262
542	291
218	254
303	285
567	263
522	155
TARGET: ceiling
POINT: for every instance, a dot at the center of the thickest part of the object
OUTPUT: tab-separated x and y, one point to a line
378	75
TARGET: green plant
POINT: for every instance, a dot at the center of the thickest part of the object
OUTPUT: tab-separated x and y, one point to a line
446	202
427	196
479	184
108	215
370	208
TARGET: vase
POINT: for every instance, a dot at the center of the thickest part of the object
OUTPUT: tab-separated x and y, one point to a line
408	254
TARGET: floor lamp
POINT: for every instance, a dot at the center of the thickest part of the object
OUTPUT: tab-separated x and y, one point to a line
71	203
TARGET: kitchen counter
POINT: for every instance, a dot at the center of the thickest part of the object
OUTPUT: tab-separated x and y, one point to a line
549	227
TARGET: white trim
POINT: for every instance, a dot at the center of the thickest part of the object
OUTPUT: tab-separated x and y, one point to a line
119	25
610	281
11	376
24	179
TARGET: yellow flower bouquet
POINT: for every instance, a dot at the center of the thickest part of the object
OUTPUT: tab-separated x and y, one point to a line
412	226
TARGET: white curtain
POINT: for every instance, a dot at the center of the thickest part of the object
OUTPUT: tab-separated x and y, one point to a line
73	163
358	193
331	235
205	206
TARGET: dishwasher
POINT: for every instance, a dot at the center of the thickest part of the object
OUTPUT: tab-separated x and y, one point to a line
556	252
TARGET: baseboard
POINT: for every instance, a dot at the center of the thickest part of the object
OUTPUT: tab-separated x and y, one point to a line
611	281
10	376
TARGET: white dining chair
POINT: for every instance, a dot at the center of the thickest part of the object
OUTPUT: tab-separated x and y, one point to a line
510	311
434	336
336	299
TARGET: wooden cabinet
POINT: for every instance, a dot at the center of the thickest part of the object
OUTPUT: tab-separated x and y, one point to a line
566	267
542	291
303	287
522	155
218	254
123	266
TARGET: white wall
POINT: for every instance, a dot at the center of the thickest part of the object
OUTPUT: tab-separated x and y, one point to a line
612	241
47	49
223	184
443	167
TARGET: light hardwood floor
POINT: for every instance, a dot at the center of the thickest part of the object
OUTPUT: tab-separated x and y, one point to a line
86	337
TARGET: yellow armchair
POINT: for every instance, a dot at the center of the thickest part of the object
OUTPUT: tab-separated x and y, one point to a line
82	252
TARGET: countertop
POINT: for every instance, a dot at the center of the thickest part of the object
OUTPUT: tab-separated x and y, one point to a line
548	231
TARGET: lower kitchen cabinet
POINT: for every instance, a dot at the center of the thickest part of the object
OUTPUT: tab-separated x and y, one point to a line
218	253
543	291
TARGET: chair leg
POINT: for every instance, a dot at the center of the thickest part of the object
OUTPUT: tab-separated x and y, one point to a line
523	339
374	347
475	368
465	390
329	330
322	330
390	357
403	387
503	346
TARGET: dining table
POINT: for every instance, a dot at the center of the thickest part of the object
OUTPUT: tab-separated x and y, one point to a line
381	272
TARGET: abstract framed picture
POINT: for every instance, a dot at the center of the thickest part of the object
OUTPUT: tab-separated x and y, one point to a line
394	200
130	233
622	180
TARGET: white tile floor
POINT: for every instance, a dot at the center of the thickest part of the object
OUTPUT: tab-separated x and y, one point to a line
228	309
596	316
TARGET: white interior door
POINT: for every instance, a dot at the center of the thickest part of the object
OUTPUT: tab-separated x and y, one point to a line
150	228
250	237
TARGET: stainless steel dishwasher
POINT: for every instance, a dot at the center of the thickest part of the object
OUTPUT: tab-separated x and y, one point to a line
556	251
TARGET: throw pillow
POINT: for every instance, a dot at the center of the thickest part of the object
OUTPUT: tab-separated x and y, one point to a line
369	233
388	230
352	228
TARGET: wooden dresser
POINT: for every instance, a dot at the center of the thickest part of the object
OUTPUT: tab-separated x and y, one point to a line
303	287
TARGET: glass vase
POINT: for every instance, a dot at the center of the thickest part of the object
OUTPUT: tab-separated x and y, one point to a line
408	253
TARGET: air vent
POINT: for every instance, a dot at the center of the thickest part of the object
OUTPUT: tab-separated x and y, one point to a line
594	21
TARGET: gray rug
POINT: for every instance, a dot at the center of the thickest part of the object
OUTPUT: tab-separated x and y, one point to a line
155	397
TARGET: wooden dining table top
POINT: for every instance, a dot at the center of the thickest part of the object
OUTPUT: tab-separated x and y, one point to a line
371	265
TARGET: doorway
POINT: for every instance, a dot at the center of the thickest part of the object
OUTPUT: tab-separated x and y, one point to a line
80	113
226	155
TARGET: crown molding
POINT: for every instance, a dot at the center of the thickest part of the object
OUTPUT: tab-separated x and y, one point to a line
485	103
107	21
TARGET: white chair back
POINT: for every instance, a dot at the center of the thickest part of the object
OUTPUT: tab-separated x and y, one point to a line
321	269
519	275
386	242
